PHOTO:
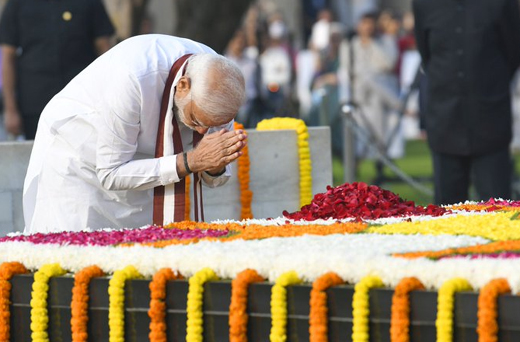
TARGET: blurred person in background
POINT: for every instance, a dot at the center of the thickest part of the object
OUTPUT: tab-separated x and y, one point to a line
246	59
276	67
470	52
325	88
320	34
364	66
44	45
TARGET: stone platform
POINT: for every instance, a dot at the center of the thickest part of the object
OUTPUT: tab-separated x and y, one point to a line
274	177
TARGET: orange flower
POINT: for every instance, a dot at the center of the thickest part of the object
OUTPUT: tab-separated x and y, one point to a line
238	308
494	247
157	312
318	319
7	271
256	231
246	195
79	304
487	326
400	322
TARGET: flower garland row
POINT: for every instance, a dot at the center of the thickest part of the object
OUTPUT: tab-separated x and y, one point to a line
304	153
246	195
238	318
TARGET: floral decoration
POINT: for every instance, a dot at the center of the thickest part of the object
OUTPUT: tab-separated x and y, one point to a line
360	201
40	292
157	311
487	326
361	307
116	298
79	304
7	271
194	324
238	316
279	305
400	322
246	195
445	304
318	318
303	151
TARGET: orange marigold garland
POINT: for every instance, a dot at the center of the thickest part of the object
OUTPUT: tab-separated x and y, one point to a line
157	312
487	326
238	308
318	319
7	271
79	304
246	195
400	322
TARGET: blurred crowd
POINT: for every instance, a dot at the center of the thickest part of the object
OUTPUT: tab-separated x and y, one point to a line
372	66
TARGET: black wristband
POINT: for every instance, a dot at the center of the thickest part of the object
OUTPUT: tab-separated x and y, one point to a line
186	166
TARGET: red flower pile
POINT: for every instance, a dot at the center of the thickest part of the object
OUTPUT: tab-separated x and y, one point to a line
360	201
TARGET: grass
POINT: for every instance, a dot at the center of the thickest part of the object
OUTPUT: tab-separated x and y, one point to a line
417	164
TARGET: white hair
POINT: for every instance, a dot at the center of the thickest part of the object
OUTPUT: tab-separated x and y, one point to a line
217	85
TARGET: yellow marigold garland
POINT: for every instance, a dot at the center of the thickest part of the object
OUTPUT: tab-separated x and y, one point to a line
487	326
40	292
400	322
279	305
361	307
157	311
318	318
445	305
303	151
116	298
238	308
472	225
7	271
246	195
79	303
194	323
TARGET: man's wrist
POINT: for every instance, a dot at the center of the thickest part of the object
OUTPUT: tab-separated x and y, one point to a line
217	174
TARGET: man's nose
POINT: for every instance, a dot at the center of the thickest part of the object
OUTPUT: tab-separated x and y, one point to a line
202	130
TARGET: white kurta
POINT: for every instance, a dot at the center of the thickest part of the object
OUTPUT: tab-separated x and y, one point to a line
92	164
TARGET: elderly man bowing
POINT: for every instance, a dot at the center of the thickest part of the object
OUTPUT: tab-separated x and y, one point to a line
113	147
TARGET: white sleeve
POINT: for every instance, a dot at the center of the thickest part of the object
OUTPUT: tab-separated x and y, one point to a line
117	140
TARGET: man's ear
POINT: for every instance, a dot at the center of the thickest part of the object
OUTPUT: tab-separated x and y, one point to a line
184	85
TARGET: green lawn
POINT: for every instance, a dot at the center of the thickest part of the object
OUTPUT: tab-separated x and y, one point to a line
416	163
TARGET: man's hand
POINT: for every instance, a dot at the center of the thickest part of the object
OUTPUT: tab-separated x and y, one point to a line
13	122
217	150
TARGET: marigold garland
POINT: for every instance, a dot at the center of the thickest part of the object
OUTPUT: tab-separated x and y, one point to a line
157	311
238	316
279	305
40	292
487	326
194	323
116	298
7	271
318	318
303	151
246	195
361	307
79	303
445	305
187	201
472	225
490	248
400	322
